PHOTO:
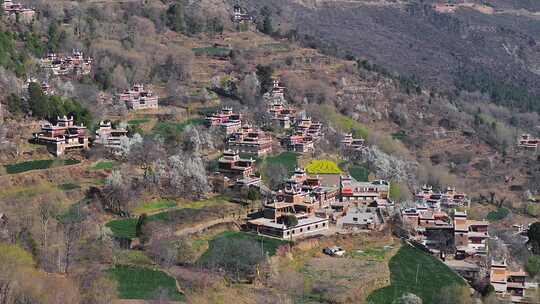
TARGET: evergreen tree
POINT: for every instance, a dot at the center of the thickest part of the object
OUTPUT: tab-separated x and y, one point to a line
264	74
265	24
534	237
175	17
140	224
56	38
38	102
14	104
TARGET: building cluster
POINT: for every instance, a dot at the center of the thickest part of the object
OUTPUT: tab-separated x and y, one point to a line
449	198
445	8
65	136
240	15
45	87
304	136
237	170
18	11
62	137
250	141
318	200
138	98
109	136
305	132
226	120
434	228
352	145
241	138
74	64
511	285
529	142
470	236
282	116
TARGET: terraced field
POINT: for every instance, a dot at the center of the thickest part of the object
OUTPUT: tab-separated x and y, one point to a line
143	283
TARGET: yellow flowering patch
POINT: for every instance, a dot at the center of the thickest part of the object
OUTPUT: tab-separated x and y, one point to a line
323	167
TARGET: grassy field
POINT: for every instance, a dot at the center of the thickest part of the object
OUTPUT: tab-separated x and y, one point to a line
143	283
323	167
277	47
417	272
185	214
68	186
21	193
374	254
103	165
38	165
131	258
212	51
169	130
288	159
344	123
139	121
123	228
156	205
360	173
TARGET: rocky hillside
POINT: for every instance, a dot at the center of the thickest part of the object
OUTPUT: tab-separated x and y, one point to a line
490	47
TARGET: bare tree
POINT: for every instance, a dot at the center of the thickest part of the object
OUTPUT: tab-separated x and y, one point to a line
248	89
71	233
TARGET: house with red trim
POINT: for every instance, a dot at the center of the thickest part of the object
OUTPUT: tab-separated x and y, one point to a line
139	98
62	137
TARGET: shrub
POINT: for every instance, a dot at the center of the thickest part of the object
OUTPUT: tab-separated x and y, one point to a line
533	265
498	215
289	220
395	191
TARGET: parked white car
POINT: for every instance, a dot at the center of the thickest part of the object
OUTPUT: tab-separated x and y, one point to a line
334	251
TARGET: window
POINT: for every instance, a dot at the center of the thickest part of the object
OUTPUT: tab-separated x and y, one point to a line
309	228
288	232
293	231
355	219
316	226
301	229
324	224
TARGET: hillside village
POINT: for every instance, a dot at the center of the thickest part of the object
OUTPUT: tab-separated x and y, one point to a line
193	153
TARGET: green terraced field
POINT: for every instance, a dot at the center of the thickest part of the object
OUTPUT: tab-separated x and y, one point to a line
143	283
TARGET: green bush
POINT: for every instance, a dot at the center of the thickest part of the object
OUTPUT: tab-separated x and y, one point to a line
238	253
498	215
51	107
533	265
395	190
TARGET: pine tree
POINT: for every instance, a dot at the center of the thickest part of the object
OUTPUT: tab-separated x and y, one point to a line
175	18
